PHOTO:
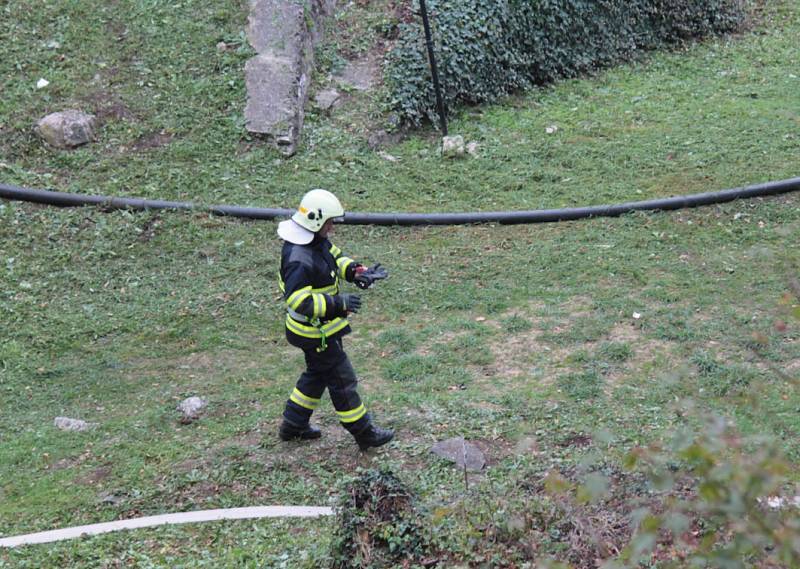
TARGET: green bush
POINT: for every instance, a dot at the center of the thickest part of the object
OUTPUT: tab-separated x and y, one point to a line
377	524
486	49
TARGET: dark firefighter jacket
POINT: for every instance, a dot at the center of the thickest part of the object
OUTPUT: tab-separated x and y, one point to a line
309	280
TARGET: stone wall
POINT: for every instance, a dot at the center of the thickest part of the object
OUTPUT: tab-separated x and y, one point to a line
284	34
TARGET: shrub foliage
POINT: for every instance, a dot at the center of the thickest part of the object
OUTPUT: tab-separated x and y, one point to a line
490	48
377	524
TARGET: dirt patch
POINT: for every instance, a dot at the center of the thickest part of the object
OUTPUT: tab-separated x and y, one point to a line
518	354
197	493
198	364
578	307
197	361
486	406
576	440
625	332
727	352
442	339
335	450
644	351
599	530
151	141
517	357
107	106
512	354
495	450
248	440
148	230
68	462
115	110
95	476
188	465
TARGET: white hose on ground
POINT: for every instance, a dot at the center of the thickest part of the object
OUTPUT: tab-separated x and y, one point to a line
165	519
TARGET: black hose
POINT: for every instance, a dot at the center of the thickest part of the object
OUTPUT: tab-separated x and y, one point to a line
534	216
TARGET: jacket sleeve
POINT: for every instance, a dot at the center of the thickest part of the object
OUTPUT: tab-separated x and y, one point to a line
298	296
346	267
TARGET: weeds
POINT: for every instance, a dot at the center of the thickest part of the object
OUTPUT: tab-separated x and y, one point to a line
377	524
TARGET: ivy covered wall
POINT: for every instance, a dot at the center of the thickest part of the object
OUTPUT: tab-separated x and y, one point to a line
489	48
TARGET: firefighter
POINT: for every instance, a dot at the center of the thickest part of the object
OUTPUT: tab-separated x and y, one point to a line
316	320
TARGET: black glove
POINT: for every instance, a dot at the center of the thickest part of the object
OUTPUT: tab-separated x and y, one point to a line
350	302
365	278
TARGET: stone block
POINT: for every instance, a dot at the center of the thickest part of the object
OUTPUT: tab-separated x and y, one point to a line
453	146
277	27
277	88
67	129
327	99
284	33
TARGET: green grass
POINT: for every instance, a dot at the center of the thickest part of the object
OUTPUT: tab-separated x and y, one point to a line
500	334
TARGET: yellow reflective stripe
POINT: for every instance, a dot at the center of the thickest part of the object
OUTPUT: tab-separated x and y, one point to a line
335	251
280	283
300	330
352	416
303	400
332	327
320	305
315	308
294	305
297	297
342	263
330	289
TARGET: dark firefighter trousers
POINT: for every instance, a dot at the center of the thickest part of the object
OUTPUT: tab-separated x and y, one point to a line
329	369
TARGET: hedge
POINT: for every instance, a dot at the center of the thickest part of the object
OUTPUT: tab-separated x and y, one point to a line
489	48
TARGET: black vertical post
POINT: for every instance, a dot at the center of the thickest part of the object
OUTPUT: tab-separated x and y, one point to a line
434	72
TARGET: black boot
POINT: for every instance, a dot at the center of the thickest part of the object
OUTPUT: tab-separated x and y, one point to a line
288	432
373	436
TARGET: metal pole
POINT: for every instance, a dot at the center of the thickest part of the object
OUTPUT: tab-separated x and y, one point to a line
434	72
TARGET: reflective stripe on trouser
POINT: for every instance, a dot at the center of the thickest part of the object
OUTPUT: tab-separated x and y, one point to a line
330	369
304	400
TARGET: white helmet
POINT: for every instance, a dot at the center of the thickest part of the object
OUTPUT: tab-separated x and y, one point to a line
317	207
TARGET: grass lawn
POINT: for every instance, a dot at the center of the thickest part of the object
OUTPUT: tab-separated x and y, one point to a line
553	347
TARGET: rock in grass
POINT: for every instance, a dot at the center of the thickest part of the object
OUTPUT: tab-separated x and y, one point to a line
462	452
327	99
191	408
453	146
67	424
66	129
382	139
